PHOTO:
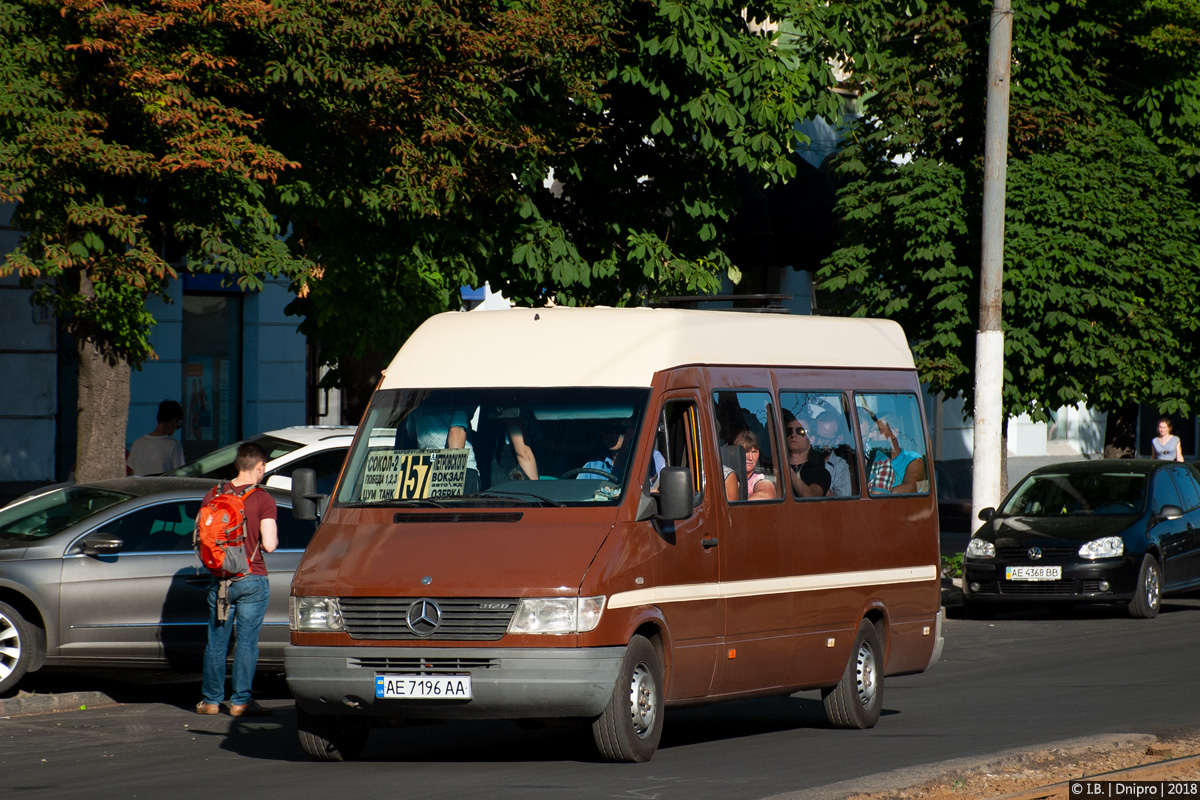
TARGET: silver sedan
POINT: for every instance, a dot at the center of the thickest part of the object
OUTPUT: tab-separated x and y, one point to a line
104	574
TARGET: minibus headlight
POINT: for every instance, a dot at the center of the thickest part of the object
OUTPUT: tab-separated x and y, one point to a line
557	615
1108	547
978	548
308	614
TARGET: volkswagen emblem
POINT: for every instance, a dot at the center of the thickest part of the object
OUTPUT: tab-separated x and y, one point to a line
1034	554
424	617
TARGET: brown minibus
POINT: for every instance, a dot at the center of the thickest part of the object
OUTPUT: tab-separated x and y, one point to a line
598	514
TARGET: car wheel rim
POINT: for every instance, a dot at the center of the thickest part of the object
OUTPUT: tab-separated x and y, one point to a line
10	647
643	701
864	674
1151	588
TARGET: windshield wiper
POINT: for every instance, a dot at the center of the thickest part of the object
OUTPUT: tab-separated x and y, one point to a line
423	502
546	501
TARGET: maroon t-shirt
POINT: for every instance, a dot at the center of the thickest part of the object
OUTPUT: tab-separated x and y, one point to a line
259	506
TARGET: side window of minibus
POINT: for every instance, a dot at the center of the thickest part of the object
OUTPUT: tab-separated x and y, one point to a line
677	444
745	435
820	456
894	443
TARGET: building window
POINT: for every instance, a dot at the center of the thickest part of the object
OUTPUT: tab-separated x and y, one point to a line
212	368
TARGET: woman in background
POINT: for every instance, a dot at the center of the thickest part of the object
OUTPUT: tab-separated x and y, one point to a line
1166	444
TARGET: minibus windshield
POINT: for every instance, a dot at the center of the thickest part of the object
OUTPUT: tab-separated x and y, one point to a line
495	447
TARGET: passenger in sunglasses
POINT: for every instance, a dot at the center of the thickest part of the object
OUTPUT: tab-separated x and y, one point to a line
806	468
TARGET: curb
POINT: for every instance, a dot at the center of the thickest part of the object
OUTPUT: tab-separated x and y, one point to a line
912	777
27	703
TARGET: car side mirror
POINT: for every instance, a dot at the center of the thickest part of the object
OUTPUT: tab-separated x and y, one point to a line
101	544
1168	512
305	500
986	514
674	493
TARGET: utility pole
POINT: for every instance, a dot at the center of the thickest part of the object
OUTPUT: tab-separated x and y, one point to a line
989	339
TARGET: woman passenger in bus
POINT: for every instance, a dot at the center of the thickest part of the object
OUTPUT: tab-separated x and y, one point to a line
805	467
758	485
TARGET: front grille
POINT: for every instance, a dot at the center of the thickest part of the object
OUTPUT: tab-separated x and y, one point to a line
1022	553
423	666
475	619
1037	588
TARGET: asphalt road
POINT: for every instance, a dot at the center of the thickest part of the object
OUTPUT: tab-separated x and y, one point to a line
1018	682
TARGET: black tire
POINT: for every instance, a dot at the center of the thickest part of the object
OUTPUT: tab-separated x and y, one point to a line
331	737
630	726
18	647
857	700
1147	595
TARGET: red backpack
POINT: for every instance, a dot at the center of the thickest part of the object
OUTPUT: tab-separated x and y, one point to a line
220	536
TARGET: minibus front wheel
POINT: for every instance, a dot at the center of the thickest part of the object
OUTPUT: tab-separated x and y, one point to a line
858	698
331	737
630	726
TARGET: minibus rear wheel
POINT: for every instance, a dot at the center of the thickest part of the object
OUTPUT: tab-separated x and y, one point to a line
631	724
331	737
858	698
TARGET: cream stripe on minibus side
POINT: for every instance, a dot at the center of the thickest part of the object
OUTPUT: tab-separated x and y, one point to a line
794	583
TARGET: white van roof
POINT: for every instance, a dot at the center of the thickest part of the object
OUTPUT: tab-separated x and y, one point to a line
627	346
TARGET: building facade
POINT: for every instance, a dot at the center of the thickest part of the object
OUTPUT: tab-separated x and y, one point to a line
234	360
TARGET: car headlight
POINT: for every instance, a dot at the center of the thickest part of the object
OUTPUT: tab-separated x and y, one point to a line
978	548
557	615
1108	547
309	614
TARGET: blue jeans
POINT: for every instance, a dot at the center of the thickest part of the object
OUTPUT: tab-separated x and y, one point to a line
247	607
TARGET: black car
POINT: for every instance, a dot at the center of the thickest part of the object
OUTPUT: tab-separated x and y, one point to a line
1106	531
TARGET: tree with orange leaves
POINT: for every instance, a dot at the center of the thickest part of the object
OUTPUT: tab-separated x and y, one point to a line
121	141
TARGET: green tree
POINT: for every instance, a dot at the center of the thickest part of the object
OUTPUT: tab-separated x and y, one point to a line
119	140
644	112
1160	69
415	122
1102	248
386	152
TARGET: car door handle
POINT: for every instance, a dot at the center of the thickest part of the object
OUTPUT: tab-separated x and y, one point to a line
198	580
708	542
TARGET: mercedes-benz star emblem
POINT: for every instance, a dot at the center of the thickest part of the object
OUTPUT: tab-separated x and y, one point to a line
424	617
1035	553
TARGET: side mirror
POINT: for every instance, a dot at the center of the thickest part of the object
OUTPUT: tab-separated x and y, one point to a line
674	493
304	495
986	513
101	544
1168	512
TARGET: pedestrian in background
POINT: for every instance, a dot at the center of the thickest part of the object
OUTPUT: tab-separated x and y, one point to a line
1166	445
158	451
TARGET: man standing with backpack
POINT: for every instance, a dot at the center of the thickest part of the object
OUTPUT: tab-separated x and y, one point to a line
240	600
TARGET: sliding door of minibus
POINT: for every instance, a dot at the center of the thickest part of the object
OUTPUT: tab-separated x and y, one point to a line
755	548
